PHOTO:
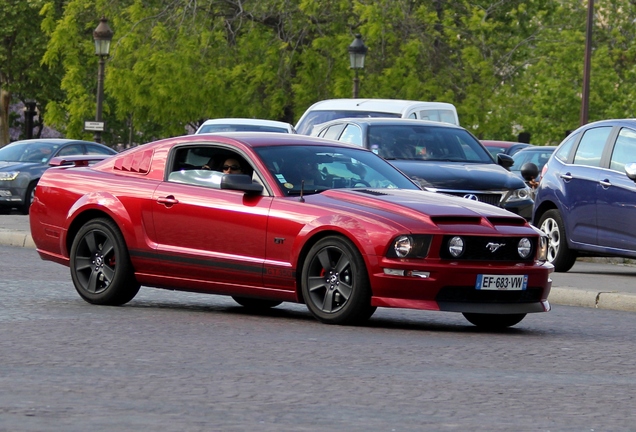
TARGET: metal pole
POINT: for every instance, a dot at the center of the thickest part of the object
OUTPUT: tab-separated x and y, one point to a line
585	99
100	96
356	84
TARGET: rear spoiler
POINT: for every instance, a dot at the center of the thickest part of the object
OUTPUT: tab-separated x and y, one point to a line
77	160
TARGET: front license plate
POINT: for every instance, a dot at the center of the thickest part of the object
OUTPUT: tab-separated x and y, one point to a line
502	282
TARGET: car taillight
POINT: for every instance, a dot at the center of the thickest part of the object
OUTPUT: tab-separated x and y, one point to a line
543	170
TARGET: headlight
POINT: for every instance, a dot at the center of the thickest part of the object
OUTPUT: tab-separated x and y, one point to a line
410	246
402	246
8	176
524	248
520	195
456	246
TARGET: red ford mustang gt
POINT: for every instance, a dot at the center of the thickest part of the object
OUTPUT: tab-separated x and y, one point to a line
298	219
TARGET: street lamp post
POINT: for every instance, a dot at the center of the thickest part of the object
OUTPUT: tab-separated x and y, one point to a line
357	53
102	36
585	95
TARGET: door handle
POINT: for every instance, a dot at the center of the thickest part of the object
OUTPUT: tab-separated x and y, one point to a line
605	183
168	201
566	177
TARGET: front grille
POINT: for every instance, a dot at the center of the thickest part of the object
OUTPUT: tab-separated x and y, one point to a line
464	294
488	198
476	248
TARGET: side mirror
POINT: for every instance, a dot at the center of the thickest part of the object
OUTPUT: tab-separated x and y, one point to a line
505	160
630	170
529	171
241	182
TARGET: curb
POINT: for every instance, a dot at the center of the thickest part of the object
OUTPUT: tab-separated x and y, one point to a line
12	238
564	296
612	300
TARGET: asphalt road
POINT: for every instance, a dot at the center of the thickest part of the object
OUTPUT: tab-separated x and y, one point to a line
601	283
171	361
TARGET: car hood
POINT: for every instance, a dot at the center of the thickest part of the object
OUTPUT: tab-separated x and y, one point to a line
459	175
17	166
410	208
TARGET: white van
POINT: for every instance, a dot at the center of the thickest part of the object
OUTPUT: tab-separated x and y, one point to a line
332	109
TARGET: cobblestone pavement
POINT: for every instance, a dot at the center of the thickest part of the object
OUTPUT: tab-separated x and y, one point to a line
596	283
172	361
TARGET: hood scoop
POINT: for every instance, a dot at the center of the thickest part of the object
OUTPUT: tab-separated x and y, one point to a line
373	192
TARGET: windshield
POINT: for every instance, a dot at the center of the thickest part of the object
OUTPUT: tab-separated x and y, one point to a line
39	152
433	143
539	158
317	168
318	117
239	128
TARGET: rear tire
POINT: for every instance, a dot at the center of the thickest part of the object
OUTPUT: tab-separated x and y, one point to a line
494	321
100	264
559	254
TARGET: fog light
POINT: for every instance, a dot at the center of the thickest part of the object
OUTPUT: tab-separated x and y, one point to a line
456	246
393	272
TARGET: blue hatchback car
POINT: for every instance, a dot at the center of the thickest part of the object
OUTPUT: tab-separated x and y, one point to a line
586	201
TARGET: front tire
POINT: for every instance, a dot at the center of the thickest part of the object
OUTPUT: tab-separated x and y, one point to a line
494	321
559	254
335	283
100	265
28	199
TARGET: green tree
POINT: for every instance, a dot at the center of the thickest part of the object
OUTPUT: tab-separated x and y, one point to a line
22	44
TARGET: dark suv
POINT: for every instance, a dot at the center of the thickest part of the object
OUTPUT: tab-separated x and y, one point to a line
586	201
440	156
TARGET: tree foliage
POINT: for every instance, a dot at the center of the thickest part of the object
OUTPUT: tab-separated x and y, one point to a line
508	66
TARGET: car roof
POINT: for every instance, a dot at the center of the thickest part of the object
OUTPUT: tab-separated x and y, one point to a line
502	144
379	105
246	121
53	141
536	148
388	121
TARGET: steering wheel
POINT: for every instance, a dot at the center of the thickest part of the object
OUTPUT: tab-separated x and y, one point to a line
356	182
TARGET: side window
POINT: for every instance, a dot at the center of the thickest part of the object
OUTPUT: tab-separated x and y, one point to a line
412	116
333	132
74	149
352	134
591	146
624	150
96	150
563	151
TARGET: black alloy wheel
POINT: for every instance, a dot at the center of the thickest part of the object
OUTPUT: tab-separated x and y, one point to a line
335	283
100	264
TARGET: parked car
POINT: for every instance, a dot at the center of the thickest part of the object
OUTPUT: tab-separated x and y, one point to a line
23	162
440	156
332	109
586	201
505	147
537	156
244	125
330	225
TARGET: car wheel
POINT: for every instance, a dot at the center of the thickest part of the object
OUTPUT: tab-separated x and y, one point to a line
494	321
100	265
256	304
28	198
335	283
559	254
